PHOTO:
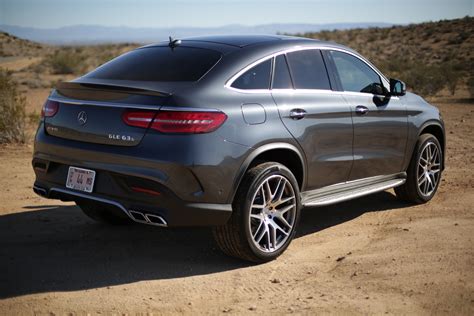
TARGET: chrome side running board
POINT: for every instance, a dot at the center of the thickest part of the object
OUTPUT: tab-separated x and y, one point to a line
351	190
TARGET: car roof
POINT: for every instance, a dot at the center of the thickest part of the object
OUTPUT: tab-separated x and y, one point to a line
238	40
229	43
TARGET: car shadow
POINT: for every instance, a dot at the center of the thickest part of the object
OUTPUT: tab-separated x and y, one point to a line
318	218
57	248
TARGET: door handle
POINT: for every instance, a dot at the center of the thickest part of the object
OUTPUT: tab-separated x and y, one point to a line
297	114
361	110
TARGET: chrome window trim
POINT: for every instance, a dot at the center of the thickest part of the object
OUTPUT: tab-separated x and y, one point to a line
230	81
365	94
304	91
332	92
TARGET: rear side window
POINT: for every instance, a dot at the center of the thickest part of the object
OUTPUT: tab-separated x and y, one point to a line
159	64
308	70
257	77
355	75
281	75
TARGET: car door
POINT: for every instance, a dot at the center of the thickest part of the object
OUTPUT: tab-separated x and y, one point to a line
380	121
318	118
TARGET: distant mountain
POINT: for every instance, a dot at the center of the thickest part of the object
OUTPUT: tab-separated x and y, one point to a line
92	34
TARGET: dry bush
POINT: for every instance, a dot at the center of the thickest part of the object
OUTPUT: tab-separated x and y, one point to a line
12	109
470	85
65	61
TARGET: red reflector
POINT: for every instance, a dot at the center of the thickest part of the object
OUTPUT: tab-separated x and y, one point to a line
188	121
138	119
143	190
50	108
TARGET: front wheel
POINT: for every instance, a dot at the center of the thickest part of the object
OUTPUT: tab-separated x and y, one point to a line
424	171
265	214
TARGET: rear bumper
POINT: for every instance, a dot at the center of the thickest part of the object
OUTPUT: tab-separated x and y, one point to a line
189	192
167	212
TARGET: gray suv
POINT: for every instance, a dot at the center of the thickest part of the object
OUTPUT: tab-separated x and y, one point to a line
234	132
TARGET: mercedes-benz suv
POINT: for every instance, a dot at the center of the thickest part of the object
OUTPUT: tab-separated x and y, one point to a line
234	132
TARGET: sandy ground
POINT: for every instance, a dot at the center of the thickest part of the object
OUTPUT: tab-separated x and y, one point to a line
17	63
373	255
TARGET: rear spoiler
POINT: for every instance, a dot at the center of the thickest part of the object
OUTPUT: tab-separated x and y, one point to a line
87	90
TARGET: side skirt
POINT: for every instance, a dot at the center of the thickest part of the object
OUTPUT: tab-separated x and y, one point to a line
352	189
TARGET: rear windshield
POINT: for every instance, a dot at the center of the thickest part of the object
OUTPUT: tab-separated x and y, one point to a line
159	64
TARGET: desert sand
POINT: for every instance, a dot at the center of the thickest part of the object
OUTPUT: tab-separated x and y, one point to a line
373	255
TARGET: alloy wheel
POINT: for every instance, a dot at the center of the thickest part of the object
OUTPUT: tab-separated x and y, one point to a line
273	213
429	168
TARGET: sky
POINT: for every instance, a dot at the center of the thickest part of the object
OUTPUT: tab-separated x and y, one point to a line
212	13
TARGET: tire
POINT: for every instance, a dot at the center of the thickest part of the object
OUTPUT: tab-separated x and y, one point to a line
103	214
251	232
424	171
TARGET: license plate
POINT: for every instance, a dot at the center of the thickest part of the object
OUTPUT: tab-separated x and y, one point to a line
80	179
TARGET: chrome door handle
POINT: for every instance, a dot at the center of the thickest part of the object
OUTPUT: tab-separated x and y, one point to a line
361	110
297	114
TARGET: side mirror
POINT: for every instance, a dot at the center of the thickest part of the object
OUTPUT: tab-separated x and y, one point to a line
397	87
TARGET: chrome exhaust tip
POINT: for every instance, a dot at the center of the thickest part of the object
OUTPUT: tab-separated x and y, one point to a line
138	216
150	219
156	220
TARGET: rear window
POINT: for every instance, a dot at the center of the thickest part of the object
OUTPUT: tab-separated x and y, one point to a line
159	64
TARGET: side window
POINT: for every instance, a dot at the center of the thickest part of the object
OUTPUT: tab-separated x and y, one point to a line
281	75
308	70
356	75
257	77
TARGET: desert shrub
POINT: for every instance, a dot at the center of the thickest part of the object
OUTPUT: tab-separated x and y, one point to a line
34	118
12	109
470	86
39	68
425	80
35	83
452	74
65	61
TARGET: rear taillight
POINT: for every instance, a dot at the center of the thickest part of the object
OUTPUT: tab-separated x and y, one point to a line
50	108
189	122
138	119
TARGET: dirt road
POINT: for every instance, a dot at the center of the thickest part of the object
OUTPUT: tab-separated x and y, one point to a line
373	255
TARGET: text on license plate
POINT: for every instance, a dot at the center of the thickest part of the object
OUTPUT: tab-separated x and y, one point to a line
80	179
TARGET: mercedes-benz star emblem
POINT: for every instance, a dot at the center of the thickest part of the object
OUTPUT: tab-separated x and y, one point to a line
82	117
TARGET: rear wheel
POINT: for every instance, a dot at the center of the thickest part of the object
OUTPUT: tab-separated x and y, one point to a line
103	214
265	214
424	171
